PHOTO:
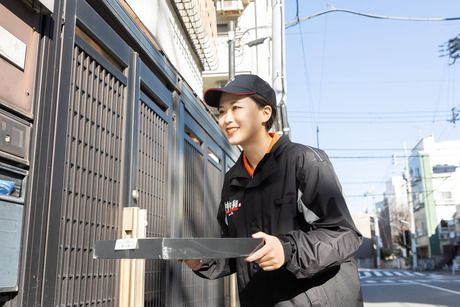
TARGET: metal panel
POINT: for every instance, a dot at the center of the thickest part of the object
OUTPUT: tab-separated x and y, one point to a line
17	83
14	138
102	33
176	248
215	178
193	217
215	295
153	181
10	241
11	229
155	86
91	206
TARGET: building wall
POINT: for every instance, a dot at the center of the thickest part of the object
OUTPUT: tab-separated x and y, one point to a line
366	252
165	25
435	188
254	23
396	196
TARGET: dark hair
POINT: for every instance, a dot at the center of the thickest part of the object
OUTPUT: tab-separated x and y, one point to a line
262	102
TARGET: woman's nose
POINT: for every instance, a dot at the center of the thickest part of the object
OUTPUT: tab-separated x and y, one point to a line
228	118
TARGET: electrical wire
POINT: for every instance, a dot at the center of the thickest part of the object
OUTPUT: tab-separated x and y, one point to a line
379	112
374	16
294	120
383	182
310	103
381	157
363	149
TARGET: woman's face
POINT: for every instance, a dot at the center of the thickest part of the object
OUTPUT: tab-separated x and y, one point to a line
241	119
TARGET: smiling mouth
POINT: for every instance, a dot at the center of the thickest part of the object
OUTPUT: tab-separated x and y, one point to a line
230	131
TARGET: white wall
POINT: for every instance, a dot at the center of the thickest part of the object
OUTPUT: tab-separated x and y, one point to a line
256	59
159	18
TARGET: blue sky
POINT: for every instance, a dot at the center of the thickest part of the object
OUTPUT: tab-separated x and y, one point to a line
370	85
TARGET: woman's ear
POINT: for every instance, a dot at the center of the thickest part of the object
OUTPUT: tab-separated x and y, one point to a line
266	113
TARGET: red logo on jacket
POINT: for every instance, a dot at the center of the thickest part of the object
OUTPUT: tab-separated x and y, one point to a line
231	206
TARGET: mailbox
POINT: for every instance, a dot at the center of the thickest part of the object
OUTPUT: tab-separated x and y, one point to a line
19	42
12	190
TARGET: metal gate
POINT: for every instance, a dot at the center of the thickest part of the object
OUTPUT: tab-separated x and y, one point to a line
154	144
88	205
129	132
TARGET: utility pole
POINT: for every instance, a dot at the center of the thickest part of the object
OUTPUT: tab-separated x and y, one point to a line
317	136
377	233
408	180
231	50
455	115
279	83
376	228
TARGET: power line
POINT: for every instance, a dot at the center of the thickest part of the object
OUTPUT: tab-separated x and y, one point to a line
365	122
384	182
305	67
363	149
429	192
375	112
369	117
398	18
379	117
386	157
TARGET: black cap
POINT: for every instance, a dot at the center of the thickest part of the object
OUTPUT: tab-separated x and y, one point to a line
242	85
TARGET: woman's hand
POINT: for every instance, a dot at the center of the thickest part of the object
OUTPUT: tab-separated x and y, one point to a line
194	264
271	256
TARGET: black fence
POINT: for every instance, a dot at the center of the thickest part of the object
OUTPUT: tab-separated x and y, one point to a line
114	126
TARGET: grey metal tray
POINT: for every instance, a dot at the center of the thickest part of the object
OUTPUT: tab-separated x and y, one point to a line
176	248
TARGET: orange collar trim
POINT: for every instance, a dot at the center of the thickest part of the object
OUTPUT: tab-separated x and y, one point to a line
275	137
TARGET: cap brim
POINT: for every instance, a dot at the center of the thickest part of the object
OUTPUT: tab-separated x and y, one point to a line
212	95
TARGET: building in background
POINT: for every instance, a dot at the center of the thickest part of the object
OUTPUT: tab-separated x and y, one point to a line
366	254
456	239
252	36
186	32
396	216
383	214
435	176
250	40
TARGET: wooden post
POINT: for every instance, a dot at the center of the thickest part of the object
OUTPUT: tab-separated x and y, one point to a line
132	271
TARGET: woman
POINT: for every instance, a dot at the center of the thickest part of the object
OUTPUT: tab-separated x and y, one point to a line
288	195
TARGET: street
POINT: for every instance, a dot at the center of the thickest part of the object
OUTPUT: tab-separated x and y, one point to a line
409	289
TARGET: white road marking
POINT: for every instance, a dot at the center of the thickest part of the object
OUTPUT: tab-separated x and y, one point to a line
398	273
435	287
382	284
377	273
388	273
366	274
388	281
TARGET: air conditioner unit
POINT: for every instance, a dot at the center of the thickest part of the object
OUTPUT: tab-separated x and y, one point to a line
230	8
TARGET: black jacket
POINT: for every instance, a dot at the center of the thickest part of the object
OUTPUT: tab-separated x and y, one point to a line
294	194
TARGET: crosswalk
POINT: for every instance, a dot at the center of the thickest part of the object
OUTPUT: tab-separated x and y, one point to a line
407	282
389	273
